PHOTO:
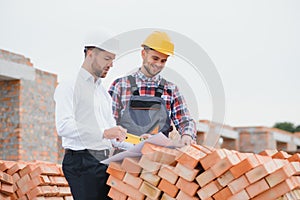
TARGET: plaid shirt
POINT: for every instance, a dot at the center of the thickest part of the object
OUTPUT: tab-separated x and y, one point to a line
120	90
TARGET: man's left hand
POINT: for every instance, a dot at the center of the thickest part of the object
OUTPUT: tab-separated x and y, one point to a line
187	140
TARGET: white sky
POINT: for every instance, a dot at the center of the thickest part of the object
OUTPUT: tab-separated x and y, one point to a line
254	45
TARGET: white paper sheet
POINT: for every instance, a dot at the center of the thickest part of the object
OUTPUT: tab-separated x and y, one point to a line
159	139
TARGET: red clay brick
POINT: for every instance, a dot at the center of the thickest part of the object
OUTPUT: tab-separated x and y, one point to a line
244	166
124	188
261	171
212	158
59	167
183	196
116	170
150	190
222	194
209	190
4	197
56	180
168	156
280	162
225	164
131	165
150	177
243	156
23	181
6	178
225	179
132	180
46	190
277	191
190	188
166	197
295	158
168	187
167	172
268	152
190	156
13	196
297	193
16	177
204	149
63	191
148	148
15	168
160	154
280	175
257	188
27	187
44	170
241	195
281	155
68	198
296	180
238	184
263	159
288	196
296	167
41	180
205	177
115	194
6	189
186	173
27	169
149	165
6	165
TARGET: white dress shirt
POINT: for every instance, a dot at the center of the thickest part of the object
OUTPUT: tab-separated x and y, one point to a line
83	112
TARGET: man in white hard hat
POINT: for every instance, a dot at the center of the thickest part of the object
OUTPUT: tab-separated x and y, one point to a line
144	102
85	122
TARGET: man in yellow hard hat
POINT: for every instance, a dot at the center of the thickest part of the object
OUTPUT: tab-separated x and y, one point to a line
144	102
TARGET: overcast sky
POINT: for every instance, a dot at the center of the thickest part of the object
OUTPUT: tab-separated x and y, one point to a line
254	46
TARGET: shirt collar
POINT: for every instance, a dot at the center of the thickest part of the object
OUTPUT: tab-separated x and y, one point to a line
142	76
87	76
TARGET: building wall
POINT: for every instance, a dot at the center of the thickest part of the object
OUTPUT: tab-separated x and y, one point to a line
229	143
27	117
254	141
9	119
37	118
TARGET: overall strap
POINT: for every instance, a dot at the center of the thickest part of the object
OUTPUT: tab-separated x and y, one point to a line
134	87
160	89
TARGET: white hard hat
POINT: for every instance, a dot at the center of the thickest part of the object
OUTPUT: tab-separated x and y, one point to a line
102	39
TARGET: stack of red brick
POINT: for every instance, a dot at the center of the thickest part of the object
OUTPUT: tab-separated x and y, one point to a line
198	172
32	181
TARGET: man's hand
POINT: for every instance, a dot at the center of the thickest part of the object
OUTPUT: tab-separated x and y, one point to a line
145	136
187	140
117	132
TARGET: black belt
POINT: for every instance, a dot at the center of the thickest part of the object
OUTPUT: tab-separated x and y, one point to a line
104	152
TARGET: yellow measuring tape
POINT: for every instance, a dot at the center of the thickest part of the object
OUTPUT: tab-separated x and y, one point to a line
133	139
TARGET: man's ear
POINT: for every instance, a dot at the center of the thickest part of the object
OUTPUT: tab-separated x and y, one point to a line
143	53
89	52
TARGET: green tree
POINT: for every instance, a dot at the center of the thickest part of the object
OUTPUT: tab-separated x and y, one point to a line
297	129
286	126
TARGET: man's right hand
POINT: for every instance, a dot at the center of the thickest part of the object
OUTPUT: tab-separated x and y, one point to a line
117	132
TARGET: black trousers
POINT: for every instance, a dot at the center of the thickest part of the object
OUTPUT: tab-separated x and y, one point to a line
86	175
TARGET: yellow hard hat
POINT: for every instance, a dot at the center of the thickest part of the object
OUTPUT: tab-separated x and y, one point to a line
160	42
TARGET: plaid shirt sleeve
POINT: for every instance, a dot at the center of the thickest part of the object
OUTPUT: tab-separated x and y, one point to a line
115	92
181	116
